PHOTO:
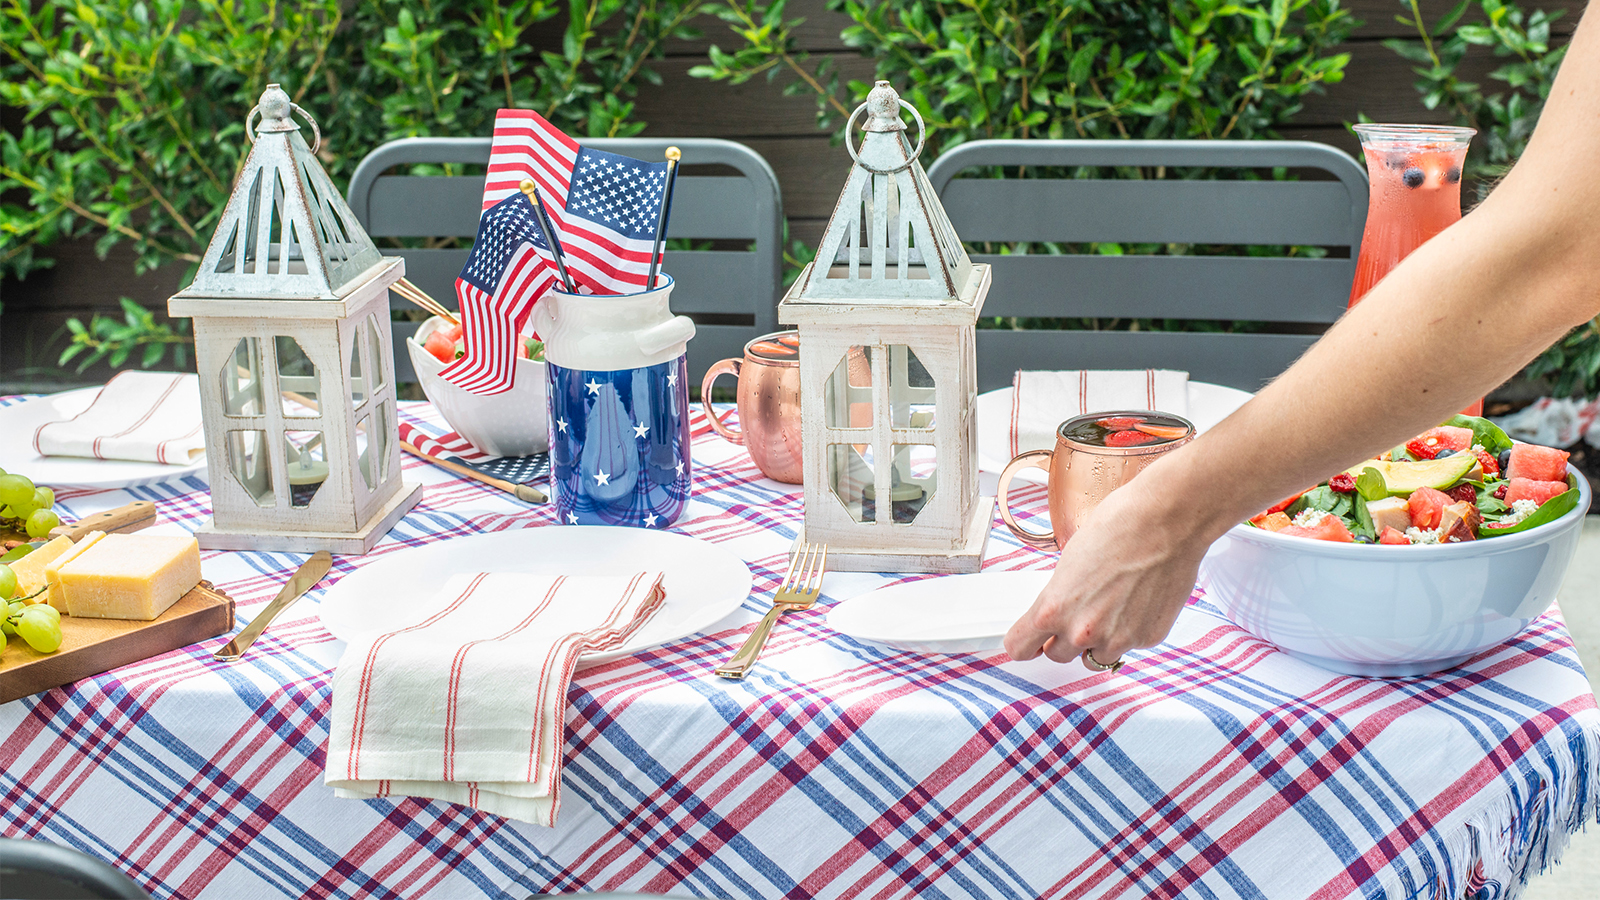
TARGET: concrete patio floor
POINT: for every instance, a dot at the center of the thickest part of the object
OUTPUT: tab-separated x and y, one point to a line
1578	875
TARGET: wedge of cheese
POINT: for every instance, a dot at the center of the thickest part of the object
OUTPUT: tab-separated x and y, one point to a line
57	596
30	568
130	576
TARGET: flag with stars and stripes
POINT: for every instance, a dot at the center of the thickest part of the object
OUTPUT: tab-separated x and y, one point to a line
604	206
505	275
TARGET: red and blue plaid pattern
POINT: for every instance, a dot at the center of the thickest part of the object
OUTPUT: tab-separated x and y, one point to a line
1211	766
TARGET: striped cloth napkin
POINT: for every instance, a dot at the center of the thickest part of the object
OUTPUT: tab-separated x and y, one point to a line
1041	401
467	702
140	416
457	449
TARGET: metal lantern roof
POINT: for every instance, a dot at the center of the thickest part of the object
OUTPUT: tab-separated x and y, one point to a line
286	232
889	240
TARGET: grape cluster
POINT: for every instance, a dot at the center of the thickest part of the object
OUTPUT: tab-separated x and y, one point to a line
26	508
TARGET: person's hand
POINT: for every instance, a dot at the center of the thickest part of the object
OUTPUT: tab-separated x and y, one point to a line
1119	584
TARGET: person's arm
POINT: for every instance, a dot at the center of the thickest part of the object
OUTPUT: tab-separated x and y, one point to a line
1459	316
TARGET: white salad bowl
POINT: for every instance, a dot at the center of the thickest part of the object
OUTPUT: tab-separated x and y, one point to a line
1380	610
510	424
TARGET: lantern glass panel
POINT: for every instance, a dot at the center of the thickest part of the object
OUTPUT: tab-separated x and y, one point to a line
241	379
847	394
307	462
364	441
248	461
298	381
912	480
358	384
911	390
850	475
374	352
380	439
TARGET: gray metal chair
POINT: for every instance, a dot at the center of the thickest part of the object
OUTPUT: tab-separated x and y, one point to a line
39	870
731	294
1279	290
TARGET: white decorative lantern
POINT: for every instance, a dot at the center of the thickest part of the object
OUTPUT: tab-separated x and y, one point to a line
888	367
292	343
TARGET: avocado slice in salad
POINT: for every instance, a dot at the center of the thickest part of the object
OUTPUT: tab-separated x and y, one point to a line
1405	476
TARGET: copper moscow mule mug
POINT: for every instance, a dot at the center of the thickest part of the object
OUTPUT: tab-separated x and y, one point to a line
1081	474
769	404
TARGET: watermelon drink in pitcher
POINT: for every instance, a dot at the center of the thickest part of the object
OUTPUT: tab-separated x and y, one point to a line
1415	176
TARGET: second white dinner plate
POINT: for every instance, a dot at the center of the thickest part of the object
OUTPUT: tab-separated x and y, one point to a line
947	614
704	582
1208	405
19	421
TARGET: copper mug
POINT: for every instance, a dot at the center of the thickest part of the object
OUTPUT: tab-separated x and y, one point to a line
1081	474
769	404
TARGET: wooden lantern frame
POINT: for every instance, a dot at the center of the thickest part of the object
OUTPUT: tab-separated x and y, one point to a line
289	261
891	272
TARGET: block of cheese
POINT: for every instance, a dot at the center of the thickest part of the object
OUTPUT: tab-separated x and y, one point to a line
130	576
52	570
30	568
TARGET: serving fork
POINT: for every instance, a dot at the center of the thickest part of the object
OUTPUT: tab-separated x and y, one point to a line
800	588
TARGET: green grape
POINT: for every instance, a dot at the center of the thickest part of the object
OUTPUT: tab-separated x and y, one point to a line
8	582
48	611
39	629
5	623
15	491
22	511
44	498
40	521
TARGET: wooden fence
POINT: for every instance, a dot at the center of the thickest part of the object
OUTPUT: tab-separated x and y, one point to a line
783	129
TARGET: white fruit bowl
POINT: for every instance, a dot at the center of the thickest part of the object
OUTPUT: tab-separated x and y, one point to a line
1378	610
514	423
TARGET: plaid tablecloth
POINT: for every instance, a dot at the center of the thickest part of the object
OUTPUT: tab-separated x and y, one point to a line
1212	766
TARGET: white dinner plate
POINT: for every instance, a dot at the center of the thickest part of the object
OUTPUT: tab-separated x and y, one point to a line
704	582
948	614
18	423
1208	405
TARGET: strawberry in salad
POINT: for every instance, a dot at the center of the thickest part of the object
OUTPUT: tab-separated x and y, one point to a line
1462	481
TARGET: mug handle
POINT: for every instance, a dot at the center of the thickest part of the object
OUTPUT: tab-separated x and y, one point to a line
725	367
1039	459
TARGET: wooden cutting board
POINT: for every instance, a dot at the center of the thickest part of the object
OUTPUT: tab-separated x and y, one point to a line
92	646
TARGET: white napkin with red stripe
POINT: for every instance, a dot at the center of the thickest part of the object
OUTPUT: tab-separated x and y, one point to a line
467	703
140	416
1041	401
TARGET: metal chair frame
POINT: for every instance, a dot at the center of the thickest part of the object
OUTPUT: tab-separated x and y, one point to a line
712	285
1326	213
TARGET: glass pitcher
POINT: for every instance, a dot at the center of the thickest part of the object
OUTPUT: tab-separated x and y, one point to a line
1415	176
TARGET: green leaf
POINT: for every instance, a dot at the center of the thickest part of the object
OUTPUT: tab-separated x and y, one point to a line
1548	512
1484	432
1363	519
1371	485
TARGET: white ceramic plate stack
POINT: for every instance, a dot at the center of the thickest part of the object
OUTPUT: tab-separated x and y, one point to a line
948	614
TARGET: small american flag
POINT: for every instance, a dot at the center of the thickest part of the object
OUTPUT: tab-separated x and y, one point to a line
503	278
604	206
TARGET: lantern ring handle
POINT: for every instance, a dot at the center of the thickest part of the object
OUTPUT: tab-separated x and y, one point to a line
316	133
922	140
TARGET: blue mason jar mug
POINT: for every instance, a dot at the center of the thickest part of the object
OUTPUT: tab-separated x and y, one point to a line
619	406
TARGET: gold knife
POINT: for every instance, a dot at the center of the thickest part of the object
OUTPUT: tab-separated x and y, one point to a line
304	579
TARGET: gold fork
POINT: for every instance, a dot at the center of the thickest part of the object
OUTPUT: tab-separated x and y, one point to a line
800	587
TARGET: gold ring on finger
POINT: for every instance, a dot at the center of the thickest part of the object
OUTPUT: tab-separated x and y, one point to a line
1092	663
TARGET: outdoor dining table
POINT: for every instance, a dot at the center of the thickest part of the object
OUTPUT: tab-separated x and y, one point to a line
1212	765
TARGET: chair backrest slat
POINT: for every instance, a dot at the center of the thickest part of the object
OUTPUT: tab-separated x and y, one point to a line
722	282
1301	289
1179	212
1220	287
1244	361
